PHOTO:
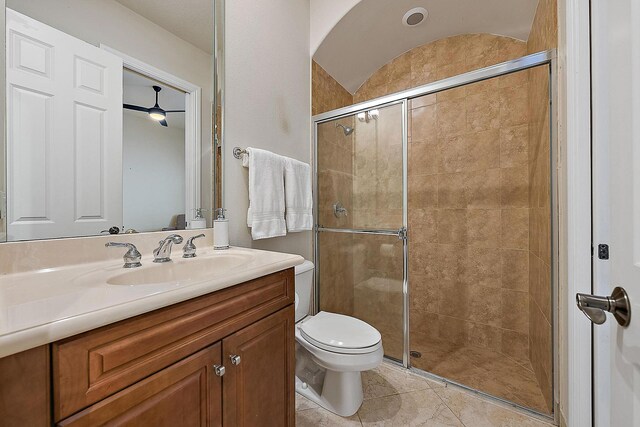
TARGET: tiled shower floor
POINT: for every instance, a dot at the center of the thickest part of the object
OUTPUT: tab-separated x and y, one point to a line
482	369
396	397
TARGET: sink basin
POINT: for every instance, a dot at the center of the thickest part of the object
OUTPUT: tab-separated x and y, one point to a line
180	271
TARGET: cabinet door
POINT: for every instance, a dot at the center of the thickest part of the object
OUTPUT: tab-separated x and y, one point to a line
259	388
187	393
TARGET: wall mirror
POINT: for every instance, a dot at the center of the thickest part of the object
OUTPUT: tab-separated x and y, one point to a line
110	117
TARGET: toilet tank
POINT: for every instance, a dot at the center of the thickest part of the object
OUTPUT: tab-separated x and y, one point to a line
304	288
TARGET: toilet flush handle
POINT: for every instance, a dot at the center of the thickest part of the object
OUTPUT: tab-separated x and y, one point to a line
235	359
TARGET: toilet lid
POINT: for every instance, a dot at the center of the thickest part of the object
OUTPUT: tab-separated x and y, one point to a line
339	333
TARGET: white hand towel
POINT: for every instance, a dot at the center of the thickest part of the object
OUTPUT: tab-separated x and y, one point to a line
297	195
266	194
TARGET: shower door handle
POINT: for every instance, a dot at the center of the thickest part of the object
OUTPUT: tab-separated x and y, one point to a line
595	307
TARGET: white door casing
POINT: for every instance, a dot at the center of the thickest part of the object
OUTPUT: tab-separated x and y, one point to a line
616	177
64	133
192	124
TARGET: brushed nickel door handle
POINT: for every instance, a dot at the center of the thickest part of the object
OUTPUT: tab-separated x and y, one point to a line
595	307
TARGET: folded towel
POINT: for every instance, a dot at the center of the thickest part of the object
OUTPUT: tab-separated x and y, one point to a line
297	195
266	193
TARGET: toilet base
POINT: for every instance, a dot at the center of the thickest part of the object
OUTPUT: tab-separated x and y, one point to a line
341	392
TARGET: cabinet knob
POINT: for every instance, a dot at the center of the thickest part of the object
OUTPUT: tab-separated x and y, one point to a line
219	370
235	359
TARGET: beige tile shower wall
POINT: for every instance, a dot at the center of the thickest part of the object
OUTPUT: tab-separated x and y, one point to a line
377	177
335	184
469	217
336	257
438	60
326	93
543	36
468	194
378	281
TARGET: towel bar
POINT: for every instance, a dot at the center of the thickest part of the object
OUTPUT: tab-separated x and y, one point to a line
238	152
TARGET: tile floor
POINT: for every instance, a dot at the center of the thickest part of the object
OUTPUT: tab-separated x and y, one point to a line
482	369
396	397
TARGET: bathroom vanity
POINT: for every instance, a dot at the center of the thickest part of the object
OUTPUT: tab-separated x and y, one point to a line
224	357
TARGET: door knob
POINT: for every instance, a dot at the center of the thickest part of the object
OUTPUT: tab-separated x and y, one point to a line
235	359
594	307
219	370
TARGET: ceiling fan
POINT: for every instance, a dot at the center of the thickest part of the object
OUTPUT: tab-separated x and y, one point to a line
155	112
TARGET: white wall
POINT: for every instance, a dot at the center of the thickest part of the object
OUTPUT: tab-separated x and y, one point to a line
267	101
153	173
325	14
110	23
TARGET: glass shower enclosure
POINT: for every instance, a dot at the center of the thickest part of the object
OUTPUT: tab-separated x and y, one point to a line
362	218
434	210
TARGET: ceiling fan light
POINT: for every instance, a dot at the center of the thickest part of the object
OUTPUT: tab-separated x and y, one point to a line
157	114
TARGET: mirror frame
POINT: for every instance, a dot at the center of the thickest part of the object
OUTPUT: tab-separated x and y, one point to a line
218	106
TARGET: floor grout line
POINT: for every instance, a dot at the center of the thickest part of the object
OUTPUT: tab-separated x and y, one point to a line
449	408
503	406
434	386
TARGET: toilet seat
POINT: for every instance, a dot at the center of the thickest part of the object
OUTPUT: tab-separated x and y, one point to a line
340	334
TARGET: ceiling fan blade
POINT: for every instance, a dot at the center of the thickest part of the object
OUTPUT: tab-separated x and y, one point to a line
135	107
163	123
174	111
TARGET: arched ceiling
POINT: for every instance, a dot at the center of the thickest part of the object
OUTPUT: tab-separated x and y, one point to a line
372	33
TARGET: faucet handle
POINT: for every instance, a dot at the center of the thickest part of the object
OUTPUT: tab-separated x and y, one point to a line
189	249
132	257
163	252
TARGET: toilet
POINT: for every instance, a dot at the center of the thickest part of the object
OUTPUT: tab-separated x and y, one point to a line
331	351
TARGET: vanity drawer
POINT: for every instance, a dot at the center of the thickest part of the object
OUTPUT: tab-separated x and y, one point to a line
91	366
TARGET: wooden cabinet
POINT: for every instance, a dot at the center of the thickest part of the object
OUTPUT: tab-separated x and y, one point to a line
188	394
25	388
159	368
259	388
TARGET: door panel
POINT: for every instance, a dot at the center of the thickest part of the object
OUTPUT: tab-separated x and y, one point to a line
360	166
259	389
362	276
185	394
64	133
616	106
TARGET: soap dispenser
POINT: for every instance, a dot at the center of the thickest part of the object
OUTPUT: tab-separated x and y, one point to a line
199	221
220	230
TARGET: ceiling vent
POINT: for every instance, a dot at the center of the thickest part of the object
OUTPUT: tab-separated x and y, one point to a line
415	16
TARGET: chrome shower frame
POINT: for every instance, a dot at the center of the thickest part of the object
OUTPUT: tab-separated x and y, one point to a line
548	58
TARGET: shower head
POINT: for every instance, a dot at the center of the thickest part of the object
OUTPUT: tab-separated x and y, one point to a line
348	130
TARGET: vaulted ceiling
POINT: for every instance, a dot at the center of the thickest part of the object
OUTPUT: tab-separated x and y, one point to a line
372	32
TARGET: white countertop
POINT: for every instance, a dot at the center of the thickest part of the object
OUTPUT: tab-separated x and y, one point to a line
44	306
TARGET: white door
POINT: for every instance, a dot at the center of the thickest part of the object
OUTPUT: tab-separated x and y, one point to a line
64	133
616	183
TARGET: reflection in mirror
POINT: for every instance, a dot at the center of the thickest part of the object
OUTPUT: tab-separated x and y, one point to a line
109	116
150	144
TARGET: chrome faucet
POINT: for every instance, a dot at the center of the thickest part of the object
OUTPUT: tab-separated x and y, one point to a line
132	257
189	249
163	252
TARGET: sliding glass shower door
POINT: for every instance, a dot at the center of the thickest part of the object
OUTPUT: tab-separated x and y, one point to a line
361	212
480	236
466	164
